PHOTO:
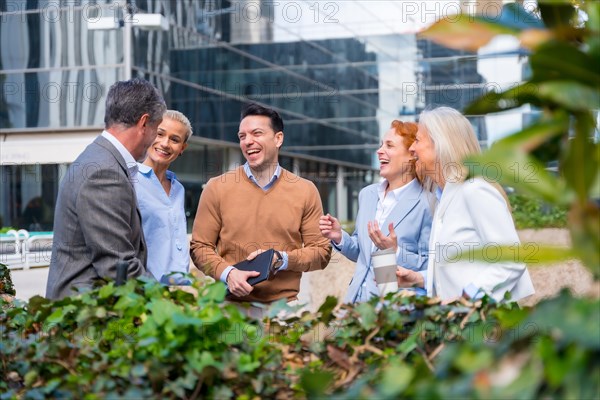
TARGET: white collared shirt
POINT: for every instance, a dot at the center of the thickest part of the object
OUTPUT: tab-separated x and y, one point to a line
386	203
132	165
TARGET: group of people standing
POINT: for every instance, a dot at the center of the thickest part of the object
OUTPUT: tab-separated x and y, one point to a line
121	203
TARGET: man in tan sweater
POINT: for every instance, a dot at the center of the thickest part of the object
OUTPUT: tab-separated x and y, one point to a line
256	207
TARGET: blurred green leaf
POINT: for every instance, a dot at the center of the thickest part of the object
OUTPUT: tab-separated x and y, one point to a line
593	25
561	61
212	293
316	383
326	309
492	102
367	315
470	361
395	378
569	320
557	14
106	291
570	95
535	135
530	253
525	385
582	157
465	32
198	361
162	310
512	167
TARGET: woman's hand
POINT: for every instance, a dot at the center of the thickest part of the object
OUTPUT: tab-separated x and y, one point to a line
331	228
379	239
409	278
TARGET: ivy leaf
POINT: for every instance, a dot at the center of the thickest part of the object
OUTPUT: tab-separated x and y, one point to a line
198	361
56	317
162	310
395	379
106	291
213	293
326	309
316	383
367	315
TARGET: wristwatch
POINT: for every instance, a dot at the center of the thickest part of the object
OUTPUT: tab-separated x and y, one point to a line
278	262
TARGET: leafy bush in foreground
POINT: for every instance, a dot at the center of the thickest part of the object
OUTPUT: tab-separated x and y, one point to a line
143	340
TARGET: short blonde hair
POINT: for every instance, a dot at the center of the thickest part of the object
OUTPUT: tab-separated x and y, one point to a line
179	117
453	138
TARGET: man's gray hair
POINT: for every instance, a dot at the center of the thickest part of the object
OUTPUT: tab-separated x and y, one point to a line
182	119
127	101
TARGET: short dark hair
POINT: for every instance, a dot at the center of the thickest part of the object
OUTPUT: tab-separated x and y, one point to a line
256	109
127	101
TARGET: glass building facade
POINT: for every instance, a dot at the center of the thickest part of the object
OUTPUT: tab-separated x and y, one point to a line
338	73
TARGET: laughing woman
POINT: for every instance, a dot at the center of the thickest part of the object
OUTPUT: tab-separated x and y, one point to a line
470	214
161	199
399	205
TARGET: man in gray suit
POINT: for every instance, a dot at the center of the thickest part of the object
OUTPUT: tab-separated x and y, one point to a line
96	221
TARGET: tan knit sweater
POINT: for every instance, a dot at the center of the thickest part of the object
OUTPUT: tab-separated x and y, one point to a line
236	217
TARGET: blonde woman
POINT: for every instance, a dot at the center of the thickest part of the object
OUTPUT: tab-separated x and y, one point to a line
161	199
471	214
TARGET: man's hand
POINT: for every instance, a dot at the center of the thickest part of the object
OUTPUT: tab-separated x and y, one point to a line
237	282
381	241
331	228
409	278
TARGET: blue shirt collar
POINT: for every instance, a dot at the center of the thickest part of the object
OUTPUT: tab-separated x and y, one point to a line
438	193
147	170
250	176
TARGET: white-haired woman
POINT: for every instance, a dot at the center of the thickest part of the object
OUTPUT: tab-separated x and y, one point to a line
471	214
161	199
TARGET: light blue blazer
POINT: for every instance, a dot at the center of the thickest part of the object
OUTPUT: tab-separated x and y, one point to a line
412	223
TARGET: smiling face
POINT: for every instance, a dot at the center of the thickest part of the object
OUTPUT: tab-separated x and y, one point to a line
259	143
145	133
394	158
423	150
169	143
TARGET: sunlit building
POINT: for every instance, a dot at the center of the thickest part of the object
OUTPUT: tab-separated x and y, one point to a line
338	73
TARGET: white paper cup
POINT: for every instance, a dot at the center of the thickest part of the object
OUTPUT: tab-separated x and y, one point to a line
383	263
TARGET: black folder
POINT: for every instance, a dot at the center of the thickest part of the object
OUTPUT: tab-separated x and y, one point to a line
261	263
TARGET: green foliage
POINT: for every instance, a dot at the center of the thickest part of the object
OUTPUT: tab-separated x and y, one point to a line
529	212
5	229
137	340
6	285
565	88
144	340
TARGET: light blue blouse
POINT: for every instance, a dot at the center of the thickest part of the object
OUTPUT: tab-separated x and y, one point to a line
163	222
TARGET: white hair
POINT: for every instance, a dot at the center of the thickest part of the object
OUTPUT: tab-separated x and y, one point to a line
453	138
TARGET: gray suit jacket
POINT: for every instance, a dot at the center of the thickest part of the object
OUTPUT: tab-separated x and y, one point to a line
96	222
412	223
